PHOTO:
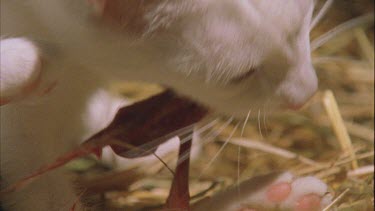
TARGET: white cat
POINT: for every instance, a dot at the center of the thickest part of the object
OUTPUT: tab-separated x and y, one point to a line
230	55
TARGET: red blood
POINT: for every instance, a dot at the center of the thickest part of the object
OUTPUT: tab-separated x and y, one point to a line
136	131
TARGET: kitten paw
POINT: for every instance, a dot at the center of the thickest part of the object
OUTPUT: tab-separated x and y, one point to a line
271	192
289	193
21	71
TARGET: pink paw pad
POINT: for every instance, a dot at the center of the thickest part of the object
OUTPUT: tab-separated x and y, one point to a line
308	193
289	193
273	191
309	202
279	192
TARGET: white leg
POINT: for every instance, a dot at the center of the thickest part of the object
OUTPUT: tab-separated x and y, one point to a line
34	134
20	71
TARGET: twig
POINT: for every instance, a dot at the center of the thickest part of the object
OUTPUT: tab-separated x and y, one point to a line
361	171
367	18
312	169
338	125
365	45
336	200
321	13
271	149
360	131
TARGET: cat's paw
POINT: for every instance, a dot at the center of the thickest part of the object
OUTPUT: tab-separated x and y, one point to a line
20	70
271	192
289	193
19	67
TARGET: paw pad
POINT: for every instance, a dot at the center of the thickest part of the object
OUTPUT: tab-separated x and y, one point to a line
289	193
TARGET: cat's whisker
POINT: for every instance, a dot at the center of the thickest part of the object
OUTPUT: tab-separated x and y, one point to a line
259	124
187	136
220	150
190	137
207	126
179	132
239	153
322	12
355	22
205	140
336	59
153	145
265	120
245	122
213	134
164	163
200	130
140	150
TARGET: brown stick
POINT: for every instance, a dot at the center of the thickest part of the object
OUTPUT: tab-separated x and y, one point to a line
179	195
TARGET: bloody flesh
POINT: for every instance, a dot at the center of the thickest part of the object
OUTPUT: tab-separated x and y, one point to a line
141	126
135	127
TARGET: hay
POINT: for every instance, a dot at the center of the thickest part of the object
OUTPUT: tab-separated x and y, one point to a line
331	138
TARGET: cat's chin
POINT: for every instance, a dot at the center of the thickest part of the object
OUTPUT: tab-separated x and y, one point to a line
238	108
242	113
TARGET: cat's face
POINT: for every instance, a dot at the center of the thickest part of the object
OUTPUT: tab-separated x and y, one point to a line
258	51
240	54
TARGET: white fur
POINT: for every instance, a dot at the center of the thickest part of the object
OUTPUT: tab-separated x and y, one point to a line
19	65
196	47
260	197
251	195
204	42
311	185
102	107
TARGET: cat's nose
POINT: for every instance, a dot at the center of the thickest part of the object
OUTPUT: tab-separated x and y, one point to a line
298	89
298	105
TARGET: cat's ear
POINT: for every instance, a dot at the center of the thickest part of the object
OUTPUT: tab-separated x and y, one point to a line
128	15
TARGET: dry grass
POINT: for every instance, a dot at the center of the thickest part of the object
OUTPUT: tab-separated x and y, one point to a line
332	137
